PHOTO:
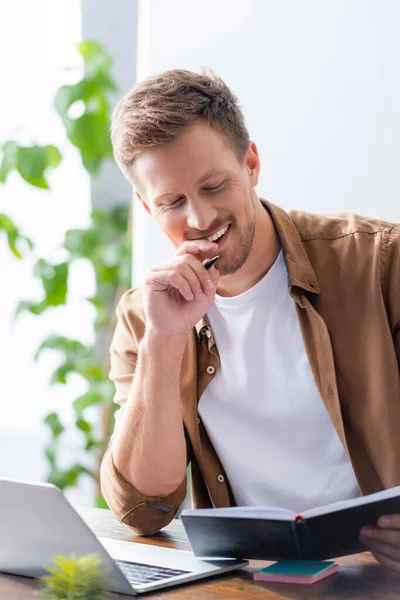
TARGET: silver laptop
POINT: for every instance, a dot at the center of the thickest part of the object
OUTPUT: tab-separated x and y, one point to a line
37	522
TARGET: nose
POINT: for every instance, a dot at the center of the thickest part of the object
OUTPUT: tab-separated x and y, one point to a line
200	214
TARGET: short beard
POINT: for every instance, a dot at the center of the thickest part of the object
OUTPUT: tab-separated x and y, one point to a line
242	251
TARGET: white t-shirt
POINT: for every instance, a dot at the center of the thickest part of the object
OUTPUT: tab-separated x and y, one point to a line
263	411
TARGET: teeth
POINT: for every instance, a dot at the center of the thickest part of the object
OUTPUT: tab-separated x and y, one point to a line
217	235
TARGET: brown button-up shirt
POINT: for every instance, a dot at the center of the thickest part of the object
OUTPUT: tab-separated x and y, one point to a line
344	275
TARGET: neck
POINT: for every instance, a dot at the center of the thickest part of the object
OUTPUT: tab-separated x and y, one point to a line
263	254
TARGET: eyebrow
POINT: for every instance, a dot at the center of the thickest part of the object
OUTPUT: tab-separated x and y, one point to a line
209	174
202	179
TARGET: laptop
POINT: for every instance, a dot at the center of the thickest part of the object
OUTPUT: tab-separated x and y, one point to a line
37	522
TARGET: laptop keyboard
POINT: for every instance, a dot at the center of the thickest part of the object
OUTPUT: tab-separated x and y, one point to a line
138	574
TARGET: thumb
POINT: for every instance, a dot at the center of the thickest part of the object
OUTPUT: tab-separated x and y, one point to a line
214	275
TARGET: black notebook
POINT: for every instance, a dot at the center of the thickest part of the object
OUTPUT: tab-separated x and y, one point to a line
272	533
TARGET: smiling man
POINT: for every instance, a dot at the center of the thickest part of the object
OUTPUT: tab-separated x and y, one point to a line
276	372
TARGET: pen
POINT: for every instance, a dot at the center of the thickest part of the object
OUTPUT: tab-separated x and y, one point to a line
211	262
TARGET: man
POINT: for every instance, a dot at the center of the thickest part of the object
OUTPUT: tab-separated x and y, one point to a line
276	372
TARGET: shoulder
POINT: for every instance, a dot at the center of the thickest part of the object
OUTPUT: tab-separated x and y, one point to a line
131	300
130	312
338	225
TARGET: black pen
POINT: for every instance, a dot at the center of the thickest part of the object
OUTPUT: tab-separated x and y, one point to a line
211	262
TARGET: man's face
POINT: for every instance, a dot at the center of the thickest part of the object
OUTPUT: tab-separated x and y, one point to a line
196	188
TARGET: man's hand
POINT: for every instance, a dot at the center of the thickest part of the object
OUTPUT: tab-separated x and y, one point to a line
384	541
178	293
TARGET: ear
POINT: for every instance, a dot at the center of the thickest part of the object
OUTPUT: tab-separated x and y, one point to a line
146	206
252	162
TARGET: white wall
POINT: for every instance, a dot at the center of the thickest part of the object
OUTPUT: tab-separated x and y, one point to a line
319	85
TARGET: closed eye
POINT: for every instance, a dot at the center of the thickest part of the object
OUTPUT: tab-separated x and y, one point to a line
177	201
214	188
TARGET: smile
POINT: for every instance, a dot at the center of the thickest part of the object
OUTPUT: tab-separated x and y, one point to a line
216	236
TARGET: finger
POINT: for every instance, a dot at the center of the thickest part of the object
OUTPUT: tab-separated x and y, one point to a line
180	283
387	536
389	551
214	275
198	275
197	247
202	274
188	273
389	522
162	280
386	561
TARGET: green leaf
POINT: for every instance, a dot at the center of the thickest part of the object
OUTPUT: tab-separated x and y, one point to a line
89	399
82	243
36	308
77	358
9	160
54	280
69	477
60	374
67	95
52	420
18	243
50	452
91	134
93	372
83	425
53	156
98	393
31	162
95	56
70	347
92	444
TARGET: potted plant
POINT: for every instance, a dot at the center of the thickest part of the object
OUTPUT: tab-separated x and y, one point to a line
75	578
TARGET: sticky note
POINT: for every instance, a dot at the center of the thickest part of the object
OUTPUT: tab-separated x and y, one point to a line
297	571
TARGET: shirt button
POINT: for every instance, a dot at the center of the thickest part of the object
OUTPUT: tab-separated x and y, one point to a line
210	370
203	331
221	478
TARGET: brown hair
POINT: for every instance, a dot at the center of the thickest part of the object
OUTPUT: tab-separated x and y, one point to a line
161	107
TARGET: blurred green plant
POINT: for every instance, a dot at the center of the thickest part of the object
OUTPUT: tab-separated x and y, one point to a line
18	243
75	578
90	131
105	244
31	162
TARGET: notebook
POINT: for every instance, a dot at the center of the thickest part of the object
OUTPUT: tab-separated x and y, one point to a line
274	533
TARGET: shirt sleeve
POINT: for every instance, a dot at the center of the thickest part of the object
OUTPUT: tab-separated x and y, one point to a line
145	514
391	284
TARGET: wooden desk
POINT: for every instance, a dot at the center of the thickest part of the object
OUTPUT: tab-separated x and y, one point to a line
360	576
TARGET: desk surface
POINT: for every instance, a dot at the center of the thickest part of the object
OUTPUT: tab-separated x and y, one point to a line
360	576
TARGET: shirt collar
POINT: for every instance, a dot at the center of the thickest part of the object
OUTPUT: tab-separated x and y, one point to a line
301	273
